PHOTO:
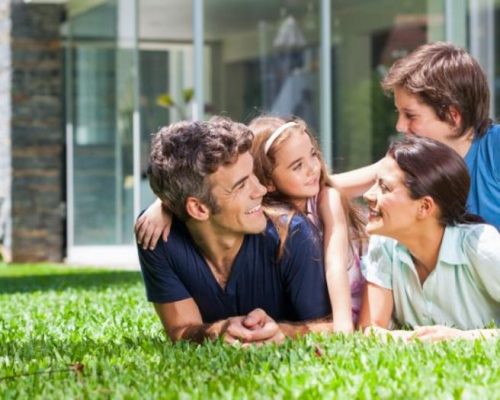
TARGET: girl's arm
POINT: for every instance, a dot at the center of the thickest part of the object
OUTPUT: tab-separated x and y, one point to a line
153	223
354	183
336	250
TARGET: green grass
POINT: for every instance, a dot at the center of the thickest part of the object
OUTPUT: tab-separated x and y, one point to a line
88	333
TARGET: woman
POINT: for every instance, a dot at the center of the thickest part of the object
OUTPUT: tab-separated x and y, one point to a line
437	269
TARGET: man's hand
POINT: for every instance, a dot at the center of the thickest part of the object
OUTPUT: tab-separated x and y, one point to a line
255	328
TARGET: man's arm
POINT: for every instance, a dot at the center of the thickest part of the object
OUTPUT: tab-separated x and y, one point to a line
182	321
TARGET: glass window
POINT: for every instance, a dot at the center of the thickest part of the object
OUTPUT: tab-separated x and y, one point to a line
367	37
264	58
166	73
101	102
166	92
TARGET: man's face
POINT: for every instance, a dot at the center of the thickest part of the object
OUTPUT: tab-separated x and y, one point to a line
239	197
417	118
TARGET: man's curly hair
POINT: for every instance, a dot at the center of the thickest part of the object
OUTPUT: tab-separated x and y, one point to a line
183	154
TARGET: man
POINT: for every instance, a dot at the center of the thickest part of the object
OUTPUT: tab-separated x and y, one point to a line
218	274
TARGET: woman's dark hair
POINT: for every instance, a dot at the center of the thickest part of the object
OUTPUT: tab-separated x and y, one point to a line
433	169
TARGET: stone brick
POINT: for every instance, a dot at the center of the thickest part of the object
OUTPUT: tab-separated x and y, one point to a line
36	135
5	131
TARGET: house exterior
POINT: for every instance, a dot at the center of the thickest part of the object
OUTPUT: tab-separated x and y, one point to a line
84	84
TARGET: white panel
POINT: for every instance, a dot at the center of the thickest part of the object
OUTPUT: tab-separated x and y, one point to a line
106	256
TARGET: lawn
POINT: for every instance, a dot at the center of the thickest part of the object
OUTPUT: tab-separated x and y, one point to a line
89	333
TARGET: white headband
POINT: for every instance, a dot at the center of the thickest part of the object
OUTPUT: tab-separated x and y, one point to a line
276	133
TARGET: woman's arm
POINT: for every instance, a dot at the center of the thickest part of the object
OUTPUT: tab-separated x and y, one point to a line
376	307
153	223
354	183
437	333
376	311
336	254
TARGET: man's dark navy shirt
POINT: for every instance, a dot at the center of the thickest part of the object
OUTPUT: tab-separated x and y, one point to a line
292	288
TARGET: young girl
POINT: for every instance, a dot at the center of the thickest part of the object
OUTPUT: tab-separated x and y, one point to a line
288	162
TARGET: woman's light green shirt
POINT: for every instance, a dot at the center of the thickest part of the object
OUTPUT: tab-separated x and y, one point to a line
463	291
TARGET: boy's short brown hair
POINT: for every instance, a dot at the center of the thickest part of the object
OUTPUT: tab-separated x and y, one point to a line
443	75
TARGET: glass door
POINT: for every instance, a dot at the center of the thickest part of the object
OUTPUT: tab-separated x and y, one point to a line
102	102
166	93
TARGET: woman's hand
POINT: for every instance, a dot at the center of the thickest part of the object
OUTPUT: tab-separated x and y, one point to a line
432	334
436	333
152	224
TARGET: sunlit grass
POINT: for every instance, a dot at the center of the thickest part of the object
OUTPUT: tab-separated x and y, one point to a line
87	333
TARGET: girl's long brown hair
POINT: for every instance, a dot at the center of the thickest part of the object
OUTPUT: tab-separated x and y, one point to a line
277	205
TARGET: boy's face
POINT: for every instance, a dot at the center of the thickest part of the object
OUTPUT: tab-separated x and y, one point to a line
417	118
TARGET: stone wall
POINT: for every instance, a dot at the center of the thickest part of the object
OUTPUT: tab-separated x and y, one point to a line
37	134
5	106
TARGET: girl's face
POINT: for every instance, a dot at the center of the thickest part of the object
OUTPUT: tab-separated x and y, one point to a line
298	169
391	209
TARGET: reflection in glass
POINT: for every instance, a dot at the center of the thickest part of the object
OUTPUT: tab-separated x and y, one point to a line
101	100
264	59
366	40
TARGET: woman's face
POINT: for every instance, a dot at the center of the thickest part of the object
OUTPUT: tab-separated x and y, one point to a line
391	209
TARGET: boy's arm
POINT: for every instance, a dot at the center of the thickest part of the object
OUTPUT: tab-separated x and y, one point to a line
356	182
336	254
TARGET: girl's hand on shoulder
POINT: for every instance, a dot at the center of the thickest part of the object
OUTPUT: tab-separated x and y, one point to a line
152	224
